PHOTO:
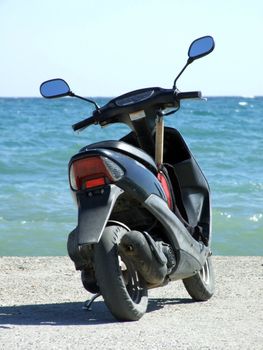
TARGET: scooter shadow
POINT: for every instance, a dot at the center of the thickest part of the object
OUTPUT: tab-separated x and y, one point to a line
65	314
160	303
60	314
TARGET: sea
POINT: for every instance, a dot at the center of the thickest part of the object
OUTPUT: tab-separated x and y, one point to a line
37	212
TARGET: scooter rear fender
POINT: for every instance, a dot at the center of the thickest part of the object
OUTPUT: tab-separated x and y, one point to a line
94	210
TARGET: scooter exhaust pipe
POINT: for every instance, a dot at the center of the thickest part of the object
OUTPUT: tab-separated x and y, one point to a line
146	255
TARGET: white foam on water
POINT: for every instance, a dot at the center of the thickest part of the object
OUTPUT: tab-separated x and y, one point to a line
256	217
242	103
227	215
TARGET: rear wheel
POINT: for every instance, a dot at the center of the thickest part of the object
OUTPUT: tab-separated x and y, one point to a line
123	289
201	286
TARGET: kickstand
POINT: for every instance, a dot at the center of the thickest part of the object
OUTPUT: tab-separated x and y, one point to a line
88	303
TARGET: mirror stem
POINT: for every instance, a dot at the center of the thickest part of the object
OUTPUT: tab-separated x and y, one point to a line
178	76
85	99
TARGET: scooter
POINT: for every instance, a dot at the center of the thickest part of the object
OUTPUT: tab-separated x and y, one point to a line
144	211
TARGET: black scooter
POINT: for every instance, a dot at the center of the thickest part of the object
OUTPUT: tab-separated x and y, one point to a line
144	214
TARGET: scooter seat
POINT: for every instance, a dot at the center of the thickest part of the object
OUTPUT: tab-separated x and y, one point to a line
125	148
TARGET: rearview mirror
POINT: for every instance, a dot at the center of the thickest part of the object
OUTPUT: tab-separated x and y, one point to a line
54	88
200	47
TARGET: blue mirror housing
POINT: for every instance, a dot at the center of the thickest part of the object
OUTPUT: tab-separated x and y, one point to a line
200	47
54	88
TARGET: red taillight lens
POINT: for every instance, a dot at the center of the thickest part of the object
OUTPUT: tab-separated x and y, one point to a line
93	172
95	182
166	189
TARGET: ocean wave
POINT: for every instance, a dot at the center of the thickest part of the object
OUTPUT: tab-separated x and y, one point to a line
256	185
256	217
242	103
227	215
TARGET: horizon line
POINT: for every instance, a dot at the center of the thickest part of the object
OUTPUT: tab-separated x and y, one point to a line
109	96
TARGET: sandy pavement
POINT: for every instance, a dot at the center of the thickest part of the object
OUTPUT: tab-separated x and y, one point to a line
41	302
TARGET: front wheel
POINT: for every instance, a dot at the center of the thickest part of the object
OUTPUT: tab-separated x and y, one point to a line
201	286
123	289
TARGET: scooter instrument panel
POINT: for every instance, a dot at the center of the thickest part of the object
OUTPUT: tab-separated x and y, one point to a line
134	97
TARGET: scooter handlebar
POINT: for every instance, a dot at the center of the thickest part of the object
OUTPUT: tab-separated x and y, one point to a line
98	117
188	95
84	123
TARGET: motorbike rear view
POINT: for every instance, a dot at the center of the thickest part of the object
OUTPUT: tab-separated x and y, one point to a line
144	208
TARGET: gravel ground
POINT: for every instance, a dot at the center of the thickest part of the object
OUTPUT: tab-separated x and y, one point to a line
41	302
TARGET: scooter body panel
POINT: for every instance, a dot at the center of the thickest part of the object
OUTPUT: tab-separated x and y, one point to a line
191	255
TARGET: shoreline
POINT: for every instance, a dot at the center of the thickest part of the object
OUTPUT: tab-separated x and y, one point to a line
41	301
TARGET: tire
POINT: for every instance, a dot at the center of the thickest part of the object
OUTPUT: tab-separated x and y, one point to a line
123	289
201	286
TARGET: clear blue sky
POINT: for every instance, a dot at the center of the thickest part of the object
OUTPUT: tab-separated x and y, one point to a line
105	48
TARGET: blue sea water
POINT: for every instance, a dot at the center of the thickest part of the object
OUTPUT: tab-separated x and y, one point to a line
36	209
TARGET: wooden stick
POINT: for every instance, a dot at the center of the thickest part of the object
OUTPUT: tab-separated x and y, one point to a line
159	138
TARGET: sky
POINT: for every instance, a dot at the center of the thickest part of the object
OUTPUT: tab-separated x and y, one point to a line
107	48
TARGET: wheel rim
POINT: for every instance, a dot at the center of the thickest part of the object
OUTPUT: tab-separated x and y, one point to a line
132	280
205	273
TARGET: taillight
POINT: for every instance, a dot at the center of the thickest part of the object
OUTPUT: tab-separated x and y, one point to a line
166	189
93	172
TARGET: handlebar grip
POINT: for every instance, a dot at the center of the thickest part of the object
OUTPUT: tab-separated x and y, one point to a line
189	94
84	123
